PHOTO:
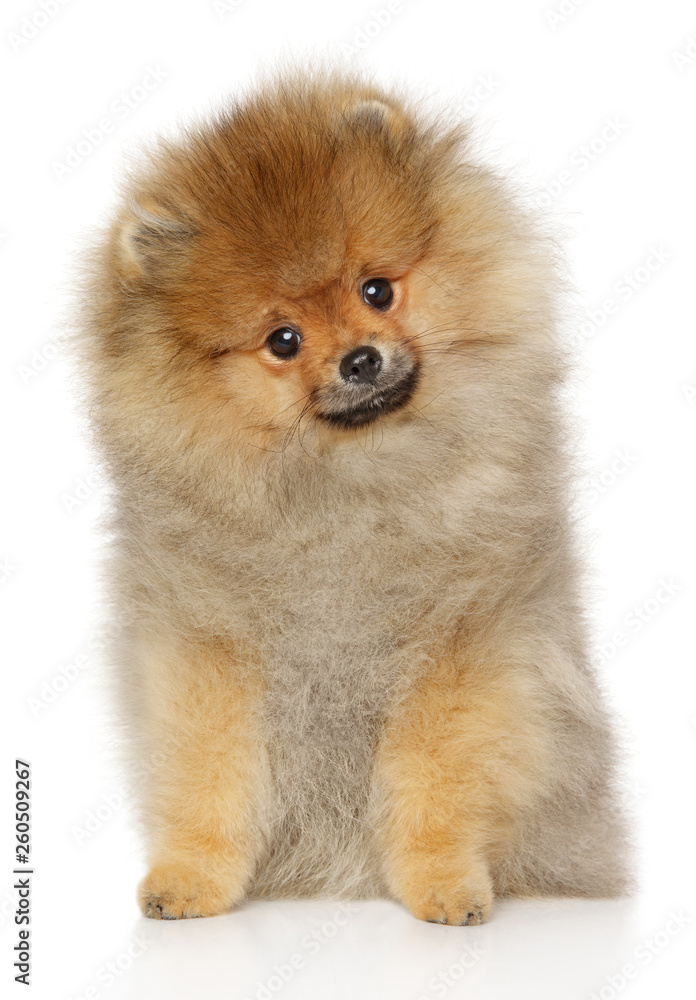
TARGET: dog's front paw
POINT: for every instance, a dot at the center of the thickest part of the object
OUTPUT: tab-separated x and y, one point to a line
460	897
445	905
173	892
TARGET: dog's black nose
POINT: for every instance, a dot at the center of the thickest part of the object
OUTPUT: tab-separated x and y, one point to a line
361	365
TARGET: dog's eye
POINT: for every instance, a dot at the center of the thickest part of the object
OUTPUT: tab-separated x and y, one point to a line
284	342
378	293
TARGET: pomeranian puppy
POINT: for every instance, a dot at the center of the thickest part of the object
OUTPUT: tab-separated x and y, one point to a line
325	376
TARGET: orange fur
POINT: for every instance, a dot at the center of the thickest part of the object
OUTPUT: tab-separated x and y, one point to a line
353	616
459	759
205	798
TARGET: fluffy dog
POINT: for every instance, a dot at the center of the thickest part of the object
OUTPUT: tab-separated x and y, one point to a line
325	376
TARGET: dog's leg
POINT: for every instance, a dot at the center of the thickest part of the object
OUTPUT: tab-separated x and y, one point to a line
204	802
460	756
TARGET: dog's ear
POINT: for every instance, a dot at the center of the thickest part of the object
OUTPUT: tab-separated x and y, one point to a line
151	237
374	116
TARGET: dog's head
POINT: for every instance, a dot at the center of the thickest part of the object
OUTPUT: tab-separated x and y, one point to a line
316	255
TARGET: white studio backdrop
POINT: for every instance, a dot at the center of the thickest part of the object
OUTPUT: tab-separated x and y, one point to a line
590	106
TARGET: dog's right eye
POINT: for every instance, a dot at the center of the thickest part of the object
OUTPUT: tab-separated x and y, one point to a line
284	342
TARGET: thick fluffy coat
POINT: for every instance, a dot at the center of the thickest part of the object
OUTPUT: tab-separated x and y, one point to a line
352	658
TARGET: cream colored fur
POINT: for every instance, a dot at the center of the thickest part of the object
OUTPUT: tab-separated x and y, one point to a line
357	657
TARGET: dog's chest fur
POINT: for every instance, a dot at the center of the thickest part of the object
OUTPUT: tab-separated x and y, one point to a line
334	587
348	575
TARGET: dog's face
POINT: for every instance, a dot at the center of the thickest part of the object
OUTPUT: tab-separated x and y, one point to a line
315	257
341	353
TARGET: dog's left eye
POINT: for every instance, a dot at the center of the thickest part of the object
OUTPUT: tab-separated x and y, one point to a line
377	293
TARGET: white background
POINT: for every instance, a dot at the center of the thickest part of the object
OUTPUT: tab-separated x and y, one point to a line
542	80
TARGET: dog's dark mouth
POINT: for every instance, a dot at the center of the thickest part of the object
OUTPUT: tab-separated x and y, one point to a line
378	401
